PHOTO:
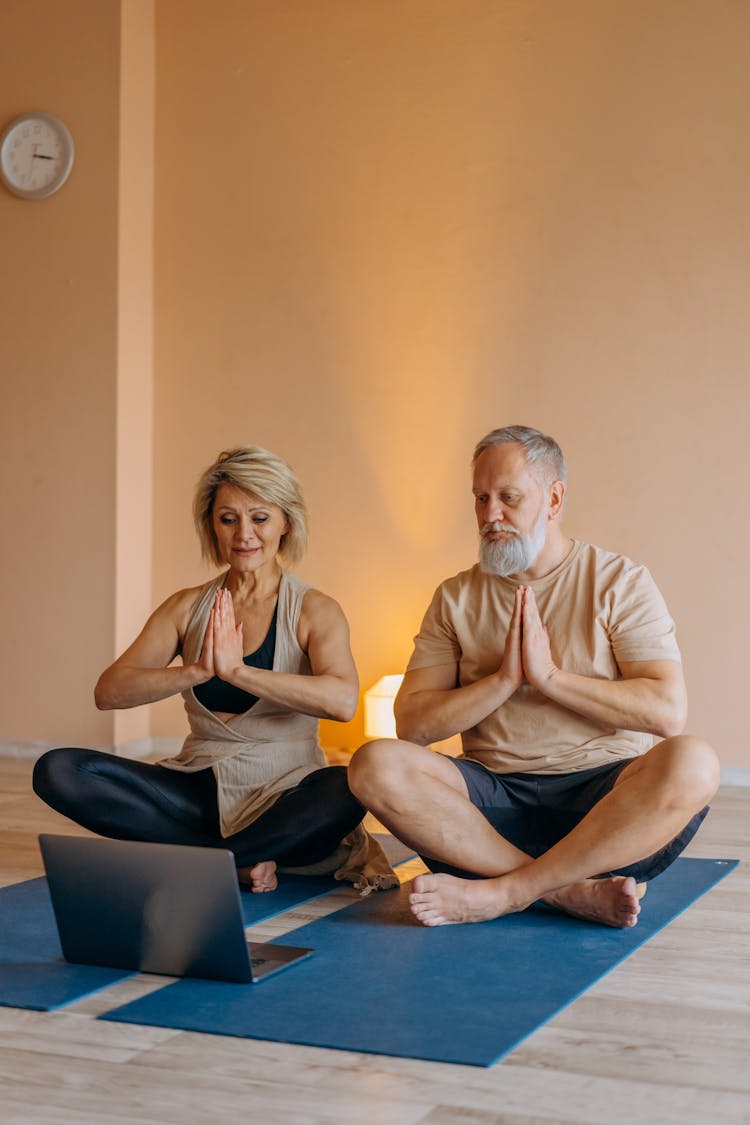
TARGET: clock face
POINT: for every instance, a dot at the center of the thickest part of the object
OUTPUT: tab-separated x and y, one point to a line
36	155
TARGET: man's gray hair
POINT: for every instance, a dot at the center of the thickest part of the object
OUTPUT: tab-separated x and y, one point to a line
540	449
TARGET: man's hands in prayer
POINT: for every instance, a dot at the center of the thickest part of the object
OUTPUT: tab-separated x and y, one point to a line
511	669
527	654
538	665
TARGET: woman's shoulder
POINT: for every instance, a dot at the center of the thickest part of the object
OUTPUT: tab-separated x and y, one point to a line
308	597
181	605
313	599
319	610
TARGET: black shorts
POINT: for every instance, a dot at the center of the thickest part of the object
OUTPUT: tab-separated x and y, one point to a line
533	811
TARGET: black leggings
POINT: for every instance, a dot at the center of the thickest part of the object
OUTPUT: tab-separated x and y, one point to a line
131	800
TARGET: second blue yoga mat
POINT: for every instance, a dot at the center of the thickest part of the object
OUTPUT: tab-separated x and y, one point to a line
34	975
379	982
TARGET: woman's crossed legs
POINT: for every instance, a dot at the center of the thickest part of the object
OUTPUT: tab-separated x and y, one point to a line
131	800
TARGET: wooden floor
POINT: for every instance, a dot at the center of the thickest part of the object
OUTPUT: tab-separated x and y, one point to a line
664	1038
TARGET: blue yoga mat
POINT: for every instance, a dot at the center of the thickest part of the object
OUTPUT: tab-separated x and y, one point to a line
34	975
294	890
32	971
379	982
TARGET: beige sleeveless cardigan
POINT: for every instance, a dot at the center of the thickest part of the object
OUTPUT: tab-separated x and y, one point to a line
259	754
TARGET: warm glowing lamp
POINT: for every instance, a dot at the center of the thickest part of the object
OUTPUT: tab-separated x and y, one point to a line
379	718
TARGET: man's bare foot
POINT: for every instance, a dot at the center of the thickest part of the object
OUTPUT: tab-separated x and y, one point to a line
260	877
612	901
438	900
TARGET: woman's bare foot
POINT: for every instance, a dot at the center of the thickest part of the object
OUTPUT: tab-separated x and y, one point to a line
438	900
260	877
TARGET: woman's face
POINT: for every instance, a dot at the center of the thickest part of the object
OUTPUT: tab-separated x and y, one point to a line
248	531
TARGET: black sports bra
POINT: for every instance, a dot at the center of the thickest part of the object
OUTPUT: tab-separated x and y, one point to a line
218	695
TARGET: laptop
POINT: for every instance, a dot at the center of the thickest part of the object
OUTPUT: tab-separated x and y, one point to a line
155	908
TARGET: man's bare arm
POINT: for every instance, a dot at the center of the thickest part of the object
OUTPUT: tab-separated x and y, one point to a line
430	707
651	696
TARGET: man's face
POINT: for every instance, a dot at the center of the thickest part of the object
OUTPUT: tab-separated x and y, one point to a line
512	508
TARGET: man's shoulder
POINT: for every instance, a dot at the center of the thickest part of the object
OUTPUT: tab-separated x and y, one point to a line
604	560
466	583
614	572
463	578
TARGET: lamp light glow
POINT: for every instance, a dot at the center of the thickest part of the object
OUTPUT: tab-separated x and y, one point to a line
379	718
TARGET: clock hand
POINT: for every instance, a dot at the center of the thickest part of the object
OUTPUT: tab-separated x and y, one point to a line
41	156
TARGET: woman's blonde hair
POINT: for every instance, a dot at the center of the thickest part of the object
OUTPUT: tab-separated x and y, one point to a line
266	476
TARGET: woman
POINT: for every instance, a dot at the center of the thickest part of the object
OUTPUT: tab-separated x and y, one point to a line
264	656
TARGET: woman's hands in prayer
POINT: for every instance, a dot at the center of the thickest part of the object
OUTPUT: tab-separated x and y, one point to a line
222	654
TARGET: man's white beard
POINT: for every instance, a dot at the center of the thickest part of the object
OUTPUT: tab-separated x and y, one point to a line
513	554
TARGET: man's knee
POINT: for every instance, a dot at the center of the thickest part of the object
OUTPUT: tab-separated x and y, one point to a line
691	767
375	767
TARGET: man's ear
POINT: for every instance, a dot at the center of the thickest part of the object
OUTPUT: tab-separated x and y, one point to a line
556	499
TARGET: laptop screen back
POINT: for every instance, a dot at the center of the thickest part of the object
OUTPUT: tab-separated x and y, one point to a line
155	908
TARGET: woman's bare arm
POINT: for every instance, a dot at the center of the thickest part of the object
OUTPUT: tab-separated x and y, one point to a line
329	693
141	675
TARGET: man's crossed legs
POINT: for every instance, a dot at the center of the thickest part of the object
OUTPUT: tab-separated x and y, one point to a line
645	809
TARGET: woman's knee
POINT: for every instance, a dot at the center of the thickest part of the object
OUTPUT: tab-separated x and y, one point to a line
332	791
335	782
55	769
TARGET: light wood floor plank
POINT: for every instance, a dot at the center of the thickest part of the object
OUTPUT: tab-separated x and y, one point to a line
663	1038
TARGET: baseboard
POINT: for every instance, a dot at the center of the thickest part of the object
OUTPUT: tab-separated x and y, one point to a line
31	750
150	749
143	749
735	776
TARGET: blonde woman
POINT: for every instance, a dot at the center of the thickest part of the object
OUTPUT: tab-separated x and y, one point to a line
264	657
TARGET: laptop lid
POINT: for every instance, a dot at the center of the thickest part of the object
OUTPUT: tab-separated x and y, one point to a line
154	908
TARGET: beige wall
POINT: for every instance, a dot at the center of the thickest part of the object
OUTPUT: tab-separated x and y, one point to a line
135	342
58	323
382	228
76	308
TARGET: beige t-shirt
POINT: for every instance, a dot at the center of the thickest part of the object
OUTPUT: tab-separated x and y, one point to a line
598	608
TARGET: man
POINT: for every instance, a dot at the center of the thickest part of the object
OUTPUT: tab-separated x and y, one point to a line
557	663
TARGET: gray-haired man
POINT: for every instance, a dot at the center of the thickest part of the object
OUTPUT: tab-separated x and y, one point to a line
557	663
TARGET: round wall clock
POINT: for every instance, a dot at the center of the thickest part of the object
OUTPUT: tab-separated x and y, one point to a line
36	155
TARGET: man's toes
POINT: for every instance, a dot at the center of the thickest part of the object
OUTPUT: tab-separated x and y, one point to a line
421	903
628	913
428	916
